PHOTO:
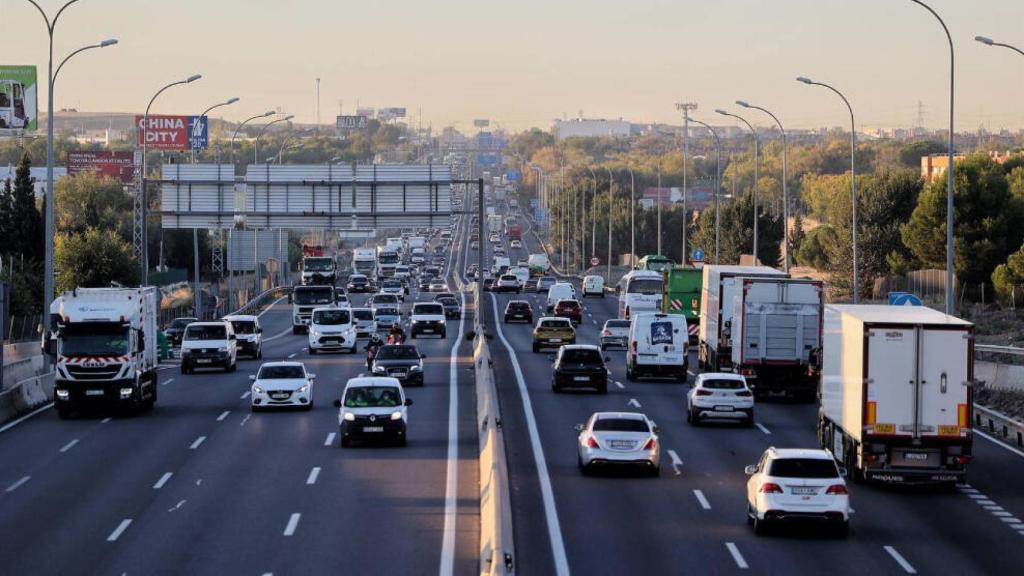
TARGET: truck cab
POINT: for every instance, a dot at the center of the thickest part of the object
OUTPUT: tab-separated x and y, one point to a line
304	299
318	270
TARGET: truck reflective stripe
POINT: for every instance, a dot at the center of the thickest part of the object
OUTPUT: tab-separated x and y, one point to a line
963	419
869	418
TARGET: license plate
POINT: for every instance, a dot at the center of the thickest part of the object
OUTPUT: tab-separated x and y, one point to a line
804	491
670	348
204	361
428	330
885	428
582	378
620	444
373	428
915	456
555	340
723	408
94	392
947	430
398	374
279	396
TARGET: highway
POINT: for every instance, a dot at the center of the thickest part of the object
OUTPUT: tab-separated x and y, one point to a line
691	520
202	486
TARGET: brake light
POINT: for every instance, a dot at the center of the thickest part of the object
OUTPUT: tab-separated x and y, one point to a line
703	392
747	372
634	345
651	444
743	393
770	488
837	489
961	460
592	442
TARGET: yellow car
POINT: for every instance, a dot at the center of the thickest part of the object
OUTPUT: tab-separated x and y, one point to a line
553	332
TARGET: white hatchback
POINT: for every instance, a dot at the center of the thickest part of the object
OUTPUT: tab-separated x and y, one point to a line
720	395
282	384
795	484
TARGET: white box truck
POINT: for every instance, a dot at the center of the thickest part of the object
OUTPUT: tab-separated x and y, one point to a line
776	329
718	287
364	261
317	270
896	392
106	349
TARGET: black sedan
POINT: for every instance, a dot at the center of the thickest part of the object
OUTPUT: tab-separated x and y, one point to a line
518	311
176	329
402	361
452	308
359	283
579	366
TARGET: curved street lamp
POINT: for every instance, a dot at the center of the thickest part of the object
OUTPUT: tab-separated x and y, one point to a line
757	147
991	42
239	127
228	102
785	186
256	143
718	179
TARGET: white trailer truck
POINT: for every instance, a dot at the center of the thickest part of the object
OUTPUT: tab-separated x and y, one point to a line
896	389
776	329
716	309
364	261
105	346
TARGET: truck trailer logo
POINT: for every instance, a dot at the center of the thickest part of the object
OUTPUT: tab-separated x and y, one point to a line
894	335
661	332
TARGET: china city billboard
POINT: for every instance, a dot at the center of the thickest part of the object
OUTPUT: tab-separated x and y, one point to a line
165	132
19	108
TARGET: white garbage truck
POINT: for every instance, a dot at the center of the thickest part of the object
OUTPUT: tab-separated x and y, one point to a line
105	347
896	393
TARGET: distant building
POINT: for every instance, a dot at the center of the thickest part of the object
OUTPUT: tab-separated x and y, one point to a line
38	174
934	165
587	128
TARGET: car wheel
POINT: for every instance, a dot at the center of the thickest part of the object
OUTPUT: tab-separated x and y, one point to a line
296	330
555	387
345	442
630	374
694	418
689	416
750	515
749	421
308	407
444	334
254	408
312	351
234	366
655	472
184	368
760	526
536	348
259	352
603	389
63	412
401	442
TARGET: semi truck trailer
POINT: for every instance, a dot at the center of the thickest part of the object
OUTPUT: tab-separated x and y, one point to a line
719	284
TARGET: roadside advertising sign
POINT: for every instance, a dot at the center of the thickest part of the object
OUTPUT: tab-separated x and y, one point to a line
388	113
19	107
117	165
365	111
351	122
481	122
172	132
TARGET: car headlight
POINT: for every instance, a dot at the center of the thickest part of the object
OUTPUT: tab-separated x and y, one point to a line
314	333
304	389
257	390
416	368
379	370
396	415
222	349
349	416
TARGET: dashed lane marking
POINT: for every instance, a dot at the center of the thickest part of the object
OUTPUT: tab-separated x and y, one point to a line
330	439
763	429
702	500
223	415
168	381
736	556
313	475
163	480
197	443
18	484
293	523
69	445
119	530
900	560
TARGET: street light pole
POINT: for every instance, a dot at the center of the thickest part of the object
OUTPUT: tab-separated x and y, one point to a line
239	127
757	161
990	42
632	217
141	196
593	199
950	305
611	181
256	143
718	181
228	102
853	180
785	186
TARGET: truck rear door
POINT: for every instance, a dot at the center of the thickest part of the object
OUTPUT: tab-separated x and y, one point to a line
944	396
780	322
890	379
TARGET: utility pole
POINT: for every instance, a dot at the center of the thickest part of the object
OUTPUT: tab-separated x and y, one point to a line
685	108
317	105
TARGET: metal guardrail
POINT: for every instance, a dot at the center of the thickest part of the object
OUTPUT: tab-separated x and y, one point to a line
260	300
1000	425
1012	350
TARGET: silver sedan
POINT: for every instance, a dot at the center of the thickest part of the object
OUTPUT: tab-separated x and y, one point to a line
619	439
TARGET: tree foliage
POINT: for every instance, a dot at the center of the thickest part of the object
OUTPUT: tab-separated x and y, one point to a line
93	259
736	235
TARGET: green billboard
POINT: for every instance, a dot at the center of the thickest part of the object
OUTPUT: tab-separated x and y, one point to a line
19	109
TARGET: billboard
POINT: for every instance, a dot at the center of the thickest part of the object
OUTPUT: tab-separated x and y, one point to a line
388	113
173	132
117	165
365	111
351	122
481	122
19	108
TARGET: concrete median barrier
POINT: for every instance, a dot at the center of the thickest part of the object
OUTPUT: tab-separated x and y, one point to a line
25	396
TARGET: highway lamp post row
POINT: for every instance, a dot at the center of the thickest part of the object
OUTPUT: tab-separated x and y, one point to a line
227	102
256	142
785	185
266	114
611	182
632	217
718	182
593	216
560	202
757	161
143	197
853	181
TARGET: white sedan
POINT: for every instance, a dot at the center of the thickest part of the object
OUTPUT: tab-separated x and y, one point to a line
619	439
797	485
282	384
720	395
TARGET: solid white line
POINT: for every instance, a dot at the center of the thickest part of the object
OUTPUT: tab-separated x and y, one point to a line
293	523
10	425
223	415
292	355
330	439
119	530
245	395
762	428
163	480
547	494
900	560
980	433
18	484
197	443
105	420
313	475
280	334
736	556
272	304
69	445
168	381
703	501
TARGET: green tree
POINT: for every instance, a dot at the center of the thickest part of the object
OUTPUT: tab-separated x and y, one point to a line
1015	179
813	250
93	259
1008	278
986	221
911	154
25	225
88	201
797	234
736	235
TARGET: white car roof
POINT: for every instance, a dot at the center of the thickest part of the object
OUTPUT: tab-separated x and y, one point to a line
556	318
579	347
283	363
210	323
365	381
720	376
812	453
619	416
240	318
325	308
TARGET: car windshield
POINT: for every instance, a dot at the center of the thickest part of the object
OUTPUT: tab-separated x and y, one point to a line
398	353
554	324
325	264
387	258
357	280
546	282
362	314
244	326
570	304
803	468
518	306
281	372
92	339
385	299
373	397
180	323
428	309
331	317
206	332
508	278
617	324
392	284
723	384
310	295
620	425
644	286
581	356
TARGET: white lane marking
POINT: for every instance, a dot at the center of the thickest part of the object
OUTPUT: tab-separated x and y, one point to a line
245	395
1010	520
762	428
69	445
292	355
168	381
702	500
163	480
977	496
119	530
547	494
736	556
105	420
293	523
197	443
976	431
676	461
246	419
594	321
223	415
313	475
619	384
272	304
690	372
280	334
10	425
1003	514
900	560
633	402
330	439
18	484
451	490
177	506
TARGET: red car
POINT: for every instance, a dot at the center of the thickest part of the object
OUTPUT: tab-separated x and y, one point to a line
570	309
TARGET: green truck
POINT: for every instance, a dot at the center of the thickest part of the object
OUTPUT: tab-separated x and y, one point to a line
682	295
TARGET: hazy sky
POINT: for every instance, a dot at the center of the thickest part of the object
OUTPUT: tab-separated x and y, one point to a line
523	63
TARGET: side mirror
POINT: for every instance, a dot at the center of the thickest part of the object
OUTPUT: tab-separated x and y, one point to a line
408	401
49	344
843	471
232	337
422	356
655	429
337	403
750	470
578	427
259	330
252	377
311	376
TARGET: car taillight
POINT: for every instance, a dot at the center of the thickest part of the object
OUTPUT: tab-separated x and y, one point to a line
770	488
743	393
634	345
747	372
836	489
592	442
703	393
651	444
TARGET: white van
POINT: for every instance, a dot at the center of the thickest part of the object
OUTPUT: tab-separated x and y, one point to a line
593	285
209	345
659	345
332	329
560	291
639	291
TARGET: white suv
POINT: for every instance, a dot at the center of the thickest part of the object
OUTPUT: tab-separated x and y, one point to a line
332	328
209	345
249	334
428	318
793	484
720	395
